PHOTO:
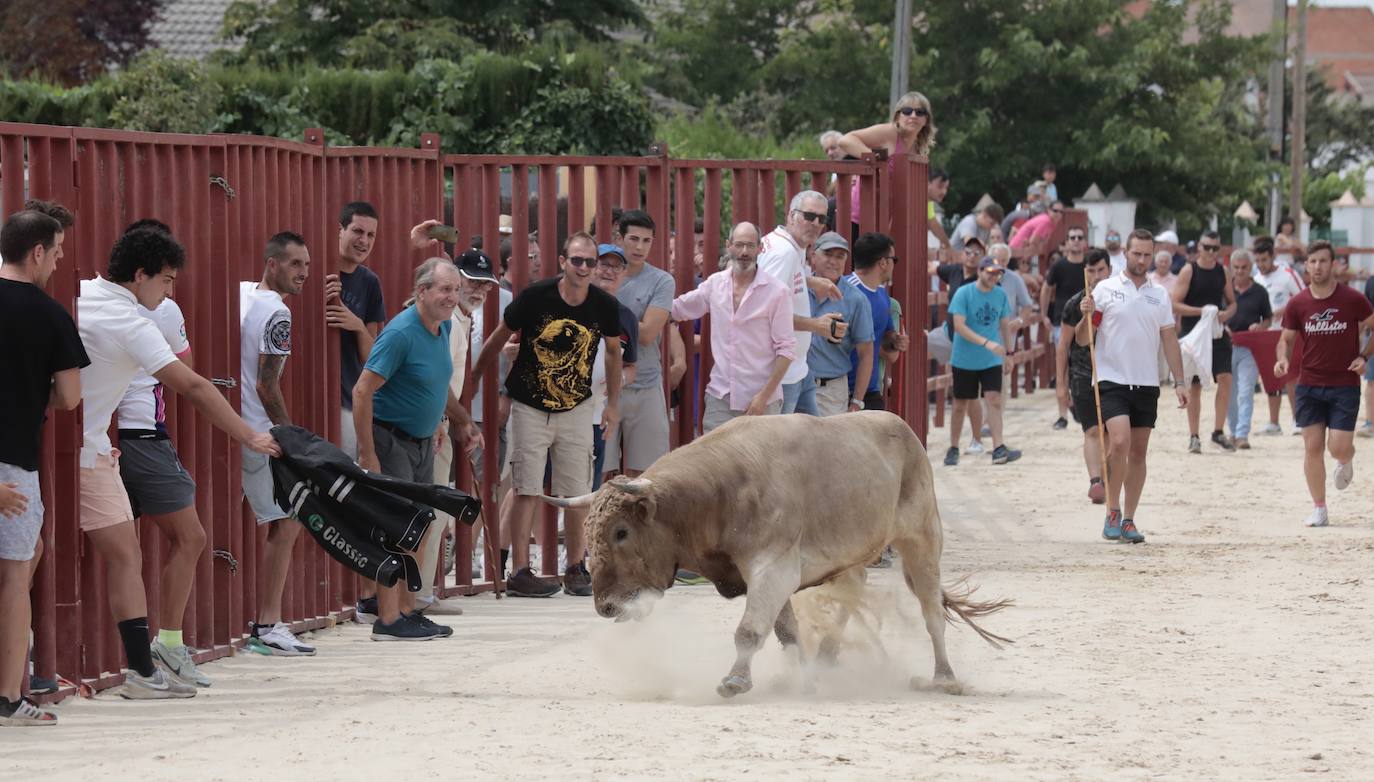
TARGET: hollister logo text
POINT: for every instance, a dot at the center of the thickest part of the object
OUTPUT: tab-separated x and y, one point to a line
1324	322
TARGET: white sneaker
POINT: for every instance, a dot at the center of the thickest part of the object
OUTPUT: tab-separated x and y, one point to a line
974	446
159	686
1297	430
1317	518
438	606
177	662
1345	473
1365	431
282	642
1272	429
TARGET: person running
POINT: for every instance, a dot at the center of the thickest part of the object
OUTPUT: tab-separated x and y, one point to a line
983	336
1206	283
1074	371
142	269
1135	319
161	490
1330	317
43	359
264	346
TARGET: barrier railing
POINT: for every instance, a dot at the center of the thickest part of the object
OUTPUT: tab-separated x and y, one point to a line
223	196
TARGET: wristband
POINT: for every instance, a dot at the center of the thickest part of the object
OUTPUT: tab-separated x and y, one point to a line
858	402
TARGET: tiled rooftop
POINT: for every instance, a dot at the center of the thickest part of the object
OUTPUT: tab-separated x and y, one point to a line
190	28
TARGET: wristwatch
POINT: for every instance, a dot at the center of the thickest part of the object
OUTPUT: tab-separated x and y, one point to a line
858	402
1179	384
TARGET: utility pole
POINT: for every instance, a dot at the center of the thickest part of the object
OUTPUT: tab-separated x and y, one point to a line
1275	129
901	52
1299	117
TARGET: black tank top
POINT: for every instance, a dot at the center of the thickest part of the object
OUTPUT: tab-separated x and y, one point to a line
1208	287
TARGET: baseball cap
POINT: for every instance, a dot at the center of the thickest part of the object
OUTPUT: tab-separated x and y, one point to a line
830	241
1167	236
974	240
475	265
1036	188
989	262
610	249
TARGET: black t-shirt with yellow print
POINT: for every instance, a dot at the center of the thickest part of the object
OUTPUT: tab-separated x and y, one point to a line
558	342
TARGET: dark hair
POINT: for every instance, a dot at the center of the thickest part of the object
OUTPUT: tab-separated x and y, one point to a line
698	227
869	248
1287	221
1096	255
995	212
1263	245
1013	264
1321	244
507	248
25	230
147	249
936	173
1210	235
52	209
148	222
579	236
616	212
356	209
1047	167
276	246
634	218
1141	234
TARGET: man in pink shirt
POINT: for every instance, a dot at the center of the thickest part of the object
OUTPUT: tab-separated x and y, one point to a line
1032	237
752	343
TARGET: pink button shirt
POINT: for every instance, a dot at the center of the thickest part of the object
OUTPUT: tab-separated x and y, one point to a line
744	342
1041	226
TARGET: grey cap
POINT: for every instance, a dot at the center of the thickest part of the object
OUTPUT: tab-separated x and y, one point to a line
830	241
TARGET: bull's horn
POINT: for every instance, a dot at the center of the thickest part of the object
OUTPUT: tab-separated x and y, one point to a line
636	486
584	501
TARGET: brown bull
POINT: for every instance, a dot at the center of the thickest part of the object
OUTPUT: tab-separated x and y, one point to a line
766	506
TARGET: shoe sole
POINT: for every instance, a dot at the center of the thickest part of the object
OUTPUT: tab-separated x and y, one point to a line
575	593
513	593
268	650
1343	485
384	637
19	722
144	694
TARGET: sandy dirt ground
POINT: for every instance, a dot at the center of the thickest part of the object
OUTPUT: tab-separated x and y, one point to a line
1234	644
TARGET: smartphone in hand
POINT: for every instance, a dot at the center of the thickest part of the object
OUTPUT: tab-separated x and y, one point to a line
444	233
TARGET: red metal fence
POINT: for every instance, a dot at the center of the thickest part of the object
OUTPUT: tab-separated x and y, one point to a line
224	196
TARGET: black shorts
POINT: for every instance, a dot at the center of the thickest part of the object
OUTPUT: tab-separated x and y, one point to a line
1084	405
973	383
1141	403
873	400
1335	407
1221	358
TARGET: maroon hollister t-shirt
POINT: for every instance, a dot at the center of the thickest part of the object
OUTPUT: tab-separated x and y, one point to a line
1330	329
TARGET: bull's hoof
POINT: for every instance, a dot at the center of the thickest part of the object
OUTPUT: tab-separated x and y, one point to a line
946	684
733	685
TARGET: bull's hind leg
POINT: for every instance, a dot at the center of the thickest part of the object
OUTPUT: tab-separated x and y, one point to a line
921	569
770	588
785	628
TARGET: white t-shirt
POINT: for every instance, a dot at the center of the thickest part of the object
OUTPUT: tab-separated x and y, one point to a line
785	261
1282	284
265	330
119	342
504	298
1128	337
1118	262
143	406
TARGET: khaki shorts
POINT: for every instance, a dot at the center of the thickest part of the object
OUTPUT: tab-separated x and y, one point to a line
643	431
104	501
833	397
567	436
348	438
718	412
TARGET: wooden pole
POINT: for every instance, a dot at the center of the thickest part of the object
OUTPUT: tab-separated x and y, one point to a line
1299	145
1097	396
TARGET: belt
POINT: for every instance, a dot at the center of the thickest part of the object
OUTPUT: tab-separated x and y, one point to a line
399	433
823	381
142	434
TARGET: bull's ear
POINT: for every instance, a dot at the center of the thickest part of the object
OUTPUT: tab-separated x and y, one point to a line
644	508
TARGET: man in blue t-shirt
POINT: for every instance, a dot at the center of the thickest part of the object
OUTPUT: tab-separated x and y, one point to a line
399	398
873	265
981	314
830	360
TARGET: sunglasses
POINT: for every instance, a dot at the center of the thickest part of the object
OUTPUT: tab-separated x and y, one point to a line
907	111
1057	211
1076	237
1211	248
579	261
812	217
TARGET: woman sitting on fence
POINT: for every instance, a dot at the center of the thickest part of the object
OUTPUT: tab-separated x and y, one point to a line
911	129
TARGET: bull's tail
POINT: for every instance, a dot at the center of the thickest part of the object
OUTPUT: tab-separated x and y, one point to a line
957	603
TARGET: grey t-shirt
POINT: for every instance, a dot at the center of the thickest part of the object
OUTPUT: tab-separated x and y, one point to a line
1017	293
967	228
652	287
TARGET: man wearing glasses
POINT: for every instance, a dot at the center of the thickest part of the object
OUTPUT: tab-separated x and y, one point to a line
561	321
1062	282
983	335
1206	283
782	256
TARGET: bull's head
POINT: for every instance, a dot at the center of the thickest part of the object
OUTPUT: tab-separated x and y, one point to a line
631	556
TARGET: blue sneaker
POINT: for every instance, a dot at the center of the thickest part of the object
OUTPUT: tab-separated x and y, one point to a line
1129	534
1111	528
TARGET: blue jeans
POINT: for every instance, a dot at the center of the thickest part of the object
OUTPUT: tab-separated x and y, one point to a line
800	397
1244	374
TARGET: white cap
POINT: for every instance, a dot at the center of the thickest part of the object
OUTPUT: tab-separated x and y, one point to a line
1168	236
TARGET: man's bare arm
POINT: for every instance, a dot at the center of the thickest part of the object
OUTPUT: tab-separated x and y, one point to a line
270	369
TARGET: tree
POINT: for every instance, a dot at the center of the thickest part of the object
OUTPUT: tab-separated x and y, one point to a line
72	41
331	32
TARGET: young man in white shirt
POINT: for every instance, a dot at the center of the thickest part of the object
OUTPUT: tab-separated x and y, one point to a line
265	343
782	255
1136	317
1283	284
143	266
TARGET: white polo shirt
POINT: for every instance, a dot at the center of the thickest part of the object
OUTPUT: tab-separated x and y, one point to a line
1128	337
120	342
785	261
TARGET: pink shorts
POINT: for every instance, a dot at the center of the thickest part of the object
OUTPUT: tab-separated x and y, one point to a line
104	502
